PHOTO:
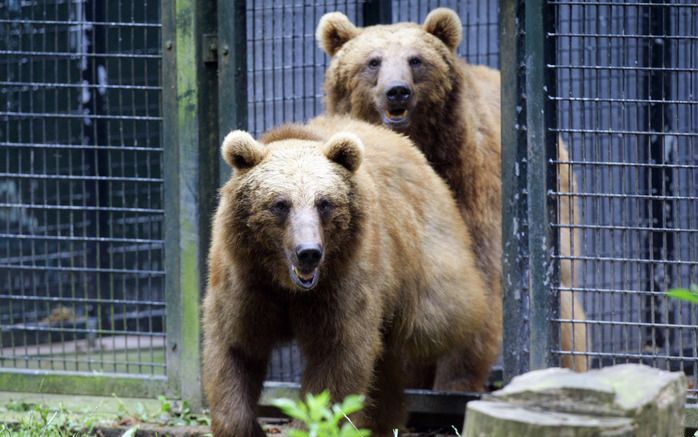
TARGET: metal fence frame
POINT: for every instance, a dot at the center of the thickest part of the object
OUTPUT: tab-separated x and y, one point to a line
530	130
528	240
81	382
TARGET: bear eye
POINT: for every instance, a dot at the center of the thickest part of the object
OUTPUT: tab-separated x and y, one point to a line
324	207
374	63
415	62
280	208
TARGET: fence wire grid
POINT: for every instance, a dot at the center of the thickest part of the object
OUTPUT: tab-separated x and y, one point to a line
627	87
81	201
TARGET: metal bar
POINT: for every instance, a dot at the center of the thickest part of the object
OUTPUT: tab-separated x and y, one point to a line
79	177
82	300
80	146
82	23
79	208
542	177
182	65
149	386
378	12
514	201
418	401
657	21
68	238
528	146
688	4
79	116
71	55
232	73
103	86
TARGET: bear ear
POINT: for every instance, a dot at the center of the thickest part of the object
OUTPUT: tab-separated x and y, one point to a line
346	149
333	31
444	24
241	151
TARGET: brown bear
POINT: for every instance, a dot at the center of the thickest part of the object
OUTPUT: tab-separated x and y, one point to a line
409	78
340	235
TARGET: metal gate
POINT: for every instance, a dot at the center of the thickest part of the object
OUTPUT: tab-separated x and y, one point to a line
82	301
617	82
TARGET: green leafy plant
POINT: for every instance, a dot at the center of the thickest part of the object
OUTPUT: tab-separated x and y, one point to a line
179	414
171	413
41	420
684	294
321	419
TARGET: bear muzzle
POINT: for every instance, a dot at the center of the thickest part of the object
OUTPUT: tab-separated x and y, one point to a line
396	107
305	263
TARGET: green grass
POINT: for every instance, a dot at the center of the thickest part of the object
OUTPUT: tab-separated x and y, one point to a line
25	418
40	420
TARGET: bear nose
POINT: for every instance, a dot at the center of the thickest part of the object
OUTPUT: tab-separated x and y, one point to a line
309	255
398	93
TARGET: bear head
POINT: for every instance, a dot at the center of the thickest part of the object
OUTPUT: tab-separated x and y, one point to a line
391	74
291	205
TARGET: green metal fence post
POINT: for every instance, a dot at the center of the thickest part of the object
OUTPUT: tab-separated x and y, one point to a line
527	148
232	71
189	108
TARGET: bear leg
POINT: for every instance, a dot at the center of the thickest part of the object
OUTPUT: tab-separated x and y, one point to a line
386	407
233	390
460	371
340	352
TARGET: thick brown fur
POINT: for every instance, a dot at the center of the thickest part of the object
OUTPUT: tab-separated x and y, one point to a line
453	116
398	281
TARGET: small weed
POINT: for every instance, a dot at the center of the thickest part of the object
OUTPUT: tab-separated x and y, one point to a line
684	294
171	413
320	418
19	406
179	414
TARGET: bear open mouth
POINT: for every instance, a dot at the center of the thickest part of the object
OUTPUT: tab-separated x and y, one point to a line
304	280
396	117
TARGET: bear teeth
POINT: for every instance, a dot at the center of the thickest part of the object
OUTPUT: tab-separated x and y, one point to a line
399	113
304	277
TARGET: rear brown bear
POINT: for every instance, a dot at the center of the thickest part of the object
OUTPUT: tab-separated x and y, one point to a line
409	78
339	234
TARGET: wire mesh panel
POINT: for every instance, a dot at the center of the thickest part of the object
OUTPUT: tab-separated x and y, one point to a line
286	69
627	81
81	201
480	19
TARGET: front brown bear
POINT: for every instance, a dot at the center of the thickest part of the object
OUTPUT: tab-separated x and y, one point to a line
338	234
409	78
